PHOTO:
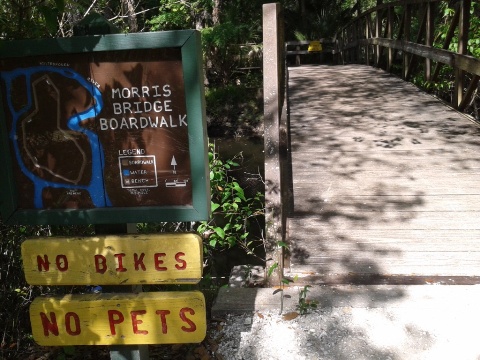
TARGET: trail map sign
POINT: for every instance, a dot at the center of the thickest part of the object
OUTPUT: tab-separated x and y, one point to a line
103	129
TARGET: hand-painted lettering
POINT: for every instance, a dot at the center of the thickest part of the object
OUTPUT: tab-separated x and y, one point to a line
136	321
43	263
49	325
191	325
68	324
163	318
158	261
100	263
62	263
138	261
142	92
131	152
119	258
167	121
145	107
139	322
115	317
181	263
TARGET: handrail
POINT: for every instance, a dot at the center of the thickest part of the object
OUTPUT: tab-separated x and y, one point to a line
383	37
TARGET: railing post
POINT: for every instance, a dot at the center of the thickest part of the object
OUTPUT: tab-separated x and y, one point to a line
273	92
358	33
429	33
378	27
407	22
367	36
390	36
463	28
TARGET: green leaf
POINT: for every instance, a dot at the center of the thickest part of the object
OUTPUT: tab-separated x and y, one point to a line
219	231
282	244
215	206
239	190
271	269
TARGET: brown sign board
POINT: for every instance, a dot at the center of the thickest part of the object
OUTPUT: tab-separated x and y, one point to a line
119	319
113	128
174	258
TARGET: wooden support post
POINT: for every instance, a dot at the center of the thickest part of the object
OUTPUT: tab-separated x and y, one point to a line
123	352
367	36
390	36
463	29
469	93
378	31
273	90
429	33
358	32
407	21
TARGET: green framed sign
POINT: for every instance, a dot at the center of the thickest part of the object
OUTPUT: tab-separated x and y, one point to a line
103	129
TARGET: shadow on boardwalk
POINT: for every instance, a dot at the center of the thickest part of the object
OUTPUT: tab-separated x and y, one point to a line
384	178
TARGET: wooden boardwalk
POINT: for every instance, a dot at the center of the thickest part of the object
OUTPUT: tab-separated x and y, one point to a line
386	180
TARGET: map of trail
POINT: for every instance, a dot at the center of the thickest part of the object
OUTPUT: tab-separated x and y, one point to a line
50	168
102	131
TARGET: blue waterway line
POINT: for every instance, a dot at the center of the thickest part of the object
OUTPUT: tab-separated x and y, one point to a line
96	187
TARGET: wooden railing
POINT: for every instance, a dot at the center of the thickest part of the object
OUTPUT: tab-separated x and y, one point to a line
399	37
299	48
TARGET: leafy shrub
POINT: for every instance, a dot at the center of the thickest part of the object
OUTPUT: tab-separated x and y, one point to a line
233	212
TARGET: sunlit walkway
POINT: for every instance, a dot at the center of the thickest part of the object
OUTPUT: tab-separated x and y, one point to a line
385	179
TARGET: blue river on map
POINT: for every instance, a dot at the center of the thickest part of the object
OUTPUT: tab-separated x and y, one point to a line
96	187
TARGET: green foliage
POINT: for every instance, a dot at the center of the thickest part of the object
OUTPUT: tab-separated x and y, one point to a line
224	35
319	19
27	19
447	13
299	36
16	294
233	212
172	16
304	305
444	83
177	15
222	46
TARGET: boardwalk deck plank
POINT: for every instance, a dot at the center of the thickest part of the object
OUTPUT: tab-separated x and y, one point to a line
385	178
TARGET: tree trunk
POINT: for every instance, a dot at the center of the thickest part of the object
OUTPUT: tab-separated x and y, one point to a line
216	12
129	8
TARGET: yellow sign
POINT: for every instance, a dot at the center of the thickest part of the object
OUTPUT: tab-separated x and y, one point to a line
119	319
114	260
315	46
